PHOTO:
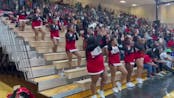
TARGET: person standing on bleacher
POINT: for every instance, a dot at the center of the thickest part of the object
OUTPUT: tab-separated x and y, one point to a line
22	16
37	22
95	66
71	38
115	65
54	34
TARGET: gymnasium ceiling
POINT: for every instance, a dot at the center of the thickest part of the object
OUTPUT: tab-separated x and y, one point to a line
137	2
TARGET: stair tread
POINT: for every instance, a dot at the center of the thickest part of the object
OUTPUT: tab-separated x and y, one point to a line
52	53
39	79
58	90
74	70
60	61
42	67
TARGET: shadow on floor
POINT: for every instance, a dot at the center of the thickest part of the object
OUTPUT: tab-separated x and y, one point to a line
157	87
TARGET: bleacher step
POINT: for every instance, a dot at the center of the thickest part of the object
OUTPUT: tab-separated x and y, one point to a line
44	71
60	56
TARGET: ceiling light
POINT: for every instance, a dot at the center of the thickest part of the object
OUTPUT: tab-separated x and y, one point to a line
134	4
122	1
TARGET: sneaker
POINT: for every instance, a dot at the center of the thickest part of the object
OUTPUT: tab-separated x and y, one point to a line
130	85
115	90
119	85
159	74
163	72
140	80
101	93
94	96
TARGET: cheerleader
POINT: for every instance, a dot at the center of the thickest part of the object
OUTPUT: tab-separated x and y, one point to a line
54	34
71	37
95	66
115	64
22	16
129	59
139	58
37	24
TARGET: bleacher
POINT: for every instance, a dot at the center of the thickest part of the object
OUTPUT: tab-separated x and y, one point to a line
54	76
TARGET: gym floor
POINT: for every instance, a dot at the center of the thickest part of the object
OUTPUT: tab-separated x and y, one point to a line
157	87
4	90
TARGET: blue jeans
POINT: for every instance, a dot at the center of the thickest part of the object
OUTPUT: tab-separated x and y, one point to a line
150	69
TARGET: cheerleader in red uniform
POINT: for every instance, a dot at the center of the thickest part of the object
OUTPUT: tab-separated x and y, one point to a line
71	37
54	34
139	58
37	24
115	64
129	59
22	18
95	66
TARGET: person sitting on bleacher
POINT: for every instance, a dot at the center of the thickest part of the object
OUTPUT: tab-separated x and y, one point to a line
95	66
167	60
37	24
115	65
149	65
71	37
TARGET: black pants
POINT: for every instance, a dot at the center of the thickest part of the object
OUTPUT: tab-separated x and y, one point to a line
163	66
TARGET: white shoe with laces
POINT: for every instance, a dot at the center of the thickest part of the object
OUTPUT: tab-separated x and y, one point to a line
115	90
119	85
101	93
130	85
94	96
139	80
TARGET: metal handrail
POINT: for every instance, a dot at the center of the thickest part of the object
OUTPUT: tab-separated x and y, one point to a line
16	47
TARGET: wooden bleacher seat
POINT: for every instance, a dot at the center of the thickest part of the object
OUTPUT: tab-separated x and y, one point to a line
79	72
49	49
60	56
65	64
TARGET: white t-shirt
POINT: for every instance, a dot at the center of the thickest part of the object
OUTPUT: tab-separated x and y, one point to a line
163	57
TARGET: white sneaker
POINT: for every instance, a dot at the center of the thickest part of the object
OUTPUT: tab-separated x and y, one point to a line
101	93
161	75
115	90
140	80
94	96
130	85
119	85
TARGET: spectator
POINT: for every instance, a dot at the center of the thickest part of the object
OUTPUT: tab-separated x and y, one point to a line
149	65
